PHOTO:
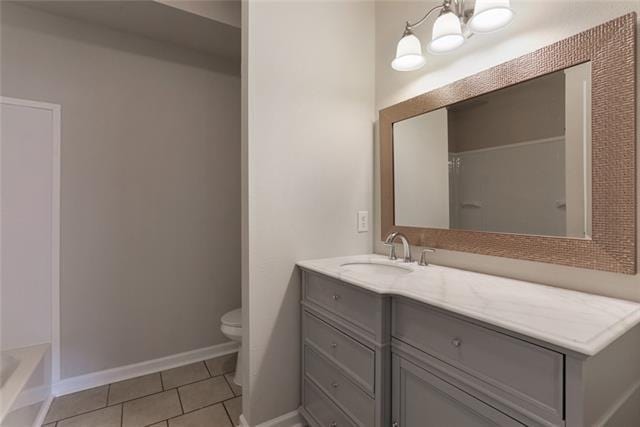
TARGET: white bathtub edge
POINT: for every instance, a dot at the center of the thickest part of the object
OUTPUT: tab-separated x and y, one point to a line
32	396
12	390
42	413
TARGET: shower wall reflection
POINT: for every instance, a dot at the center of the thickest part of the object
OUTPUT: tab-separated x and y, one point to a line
515	160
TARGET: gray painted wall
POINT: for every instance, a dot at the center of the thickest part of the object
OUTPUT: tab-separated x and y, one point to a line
150	186
227	12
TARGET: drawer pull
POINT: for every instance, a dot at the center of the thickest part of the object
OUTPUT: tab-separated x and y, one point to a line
333	424
336	297
334	345
334	384
456	342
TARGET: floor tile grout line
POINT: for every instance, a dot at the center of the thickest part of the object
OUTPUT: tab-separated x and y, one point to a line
148	395
207	368
228	414
161	391
230	386
115	404
221	402
144	396
192	382
180	400
81	413
139	397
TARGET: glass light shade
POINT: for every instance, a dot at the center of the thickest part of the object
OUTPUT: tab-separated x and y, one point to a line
490	15
447	34
408	54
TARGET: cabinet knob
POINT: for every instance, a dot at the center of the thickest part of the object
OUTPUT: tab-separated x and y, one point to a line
456	342
334	345
336	297
334	384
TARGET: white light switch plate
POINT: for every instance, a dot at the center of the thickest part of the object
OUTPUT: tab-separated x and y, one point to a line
363	221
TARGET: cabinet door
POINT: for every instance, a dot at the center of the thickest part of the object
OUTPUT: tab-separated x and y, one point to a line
421	399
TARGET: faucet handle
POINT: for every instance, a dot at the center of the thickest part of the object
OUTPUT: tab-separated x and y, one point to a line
423	257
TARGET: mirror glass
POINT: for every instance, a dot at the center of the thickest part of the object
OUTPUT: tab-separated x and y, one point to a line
517	160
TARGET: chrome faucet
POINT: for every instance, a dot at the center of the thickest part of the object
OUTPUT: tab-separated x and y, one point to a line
405	246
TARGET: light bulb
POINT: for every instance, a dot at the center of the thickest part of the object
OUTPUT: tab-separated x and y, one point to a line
490	15
408	54
446	34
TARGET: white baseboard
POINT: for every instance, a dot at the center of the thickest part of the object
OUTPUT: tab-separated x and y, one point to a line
290	419
96	379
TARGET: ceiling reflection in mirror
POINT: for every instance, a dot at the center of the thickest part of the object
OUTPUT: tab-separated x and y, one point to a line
517	160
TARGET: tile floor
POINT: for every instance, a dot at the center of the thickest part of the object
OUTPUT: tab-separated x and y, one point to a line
202	394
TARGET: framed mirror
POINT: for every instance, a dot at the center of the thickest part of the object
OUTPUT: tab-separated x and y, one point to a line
533	159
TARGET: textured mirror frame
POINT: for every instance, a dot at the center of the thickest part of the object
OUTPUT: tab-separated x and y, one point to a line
611	48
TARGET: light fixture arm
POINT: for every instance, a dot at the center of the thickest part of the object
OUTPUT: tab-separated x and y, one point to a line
455	6
409	26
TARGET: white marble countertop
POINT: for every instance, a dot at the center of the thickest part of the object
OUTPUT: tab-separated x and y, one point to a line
573	320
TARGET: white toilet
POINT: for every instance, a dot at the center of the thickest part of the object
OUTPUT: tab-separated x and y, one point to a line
231	327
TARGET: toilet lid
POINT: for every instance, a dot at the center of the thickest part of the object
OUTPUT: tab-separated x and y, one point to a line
233	318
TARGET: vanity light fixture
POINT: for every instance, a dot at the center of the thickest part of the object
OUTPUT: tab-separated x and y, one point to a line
408	53
446	34
490	15
457	21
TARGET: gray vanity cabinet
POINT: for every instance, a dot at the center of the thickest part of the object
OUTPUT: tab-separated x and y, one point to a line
345	354
421	399
372	360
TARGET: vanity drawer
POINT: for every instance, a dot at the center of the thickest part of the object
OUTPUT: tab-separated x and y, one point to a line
323	411
354	401
355	358
528	374
355	305
422	399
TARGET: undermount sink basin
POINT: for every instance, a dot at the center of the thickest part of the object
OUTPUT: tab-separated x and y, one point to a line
375	268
